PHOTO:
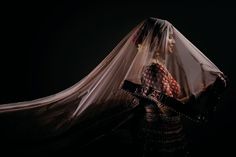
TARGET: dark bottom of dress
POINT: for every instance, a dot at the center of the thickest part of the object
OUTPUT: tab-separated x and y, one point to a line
162	135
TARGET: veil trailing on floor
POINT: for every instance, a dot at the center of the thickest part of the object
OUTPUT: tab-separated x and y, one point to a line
99	94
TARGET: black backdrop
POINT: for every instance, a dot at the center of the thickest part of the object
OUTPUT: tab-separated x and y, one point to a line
47	47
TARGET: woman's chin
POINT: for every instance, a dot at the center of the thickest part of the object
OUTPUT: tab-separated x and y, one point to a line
170	51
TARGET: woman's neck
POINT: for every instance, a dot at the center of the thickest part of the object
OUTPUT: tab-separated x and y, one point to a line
158	61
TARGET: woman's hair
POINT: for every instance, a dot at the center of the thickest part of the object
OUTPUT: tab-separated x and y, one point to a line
149	25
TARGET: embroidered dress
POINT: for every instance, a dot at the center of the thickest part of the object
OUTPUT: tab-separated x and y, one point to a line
162	130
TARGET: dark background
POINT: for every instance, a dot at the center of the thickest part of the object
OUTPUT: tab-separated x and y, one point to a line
48	47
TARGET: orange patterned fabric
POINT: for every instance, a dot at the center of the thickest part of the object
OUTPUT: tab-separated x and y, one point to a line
157	77
163	130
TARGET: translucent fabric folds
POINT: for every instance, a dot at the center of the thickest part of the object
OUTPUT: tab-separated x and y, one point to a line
153	40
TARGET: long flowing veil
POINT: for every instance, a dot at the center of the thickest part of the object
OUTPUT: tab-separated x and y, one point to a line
99	94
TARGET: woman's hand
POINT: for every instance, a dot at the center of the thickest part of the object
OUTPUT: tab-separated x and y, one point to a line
183	100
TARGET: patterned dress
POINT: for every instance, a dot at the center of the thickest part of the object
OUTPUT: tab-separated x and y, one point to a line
162	130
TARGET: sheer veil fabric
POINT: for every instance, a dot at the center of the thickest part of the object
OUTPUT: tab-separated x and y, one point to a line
100	91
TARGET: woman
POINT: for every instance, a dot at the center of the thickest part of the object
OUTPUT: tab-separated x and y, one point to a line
162	129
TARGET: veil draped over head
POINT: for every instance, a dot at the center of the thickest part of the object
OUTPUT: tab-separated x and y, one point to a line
100	91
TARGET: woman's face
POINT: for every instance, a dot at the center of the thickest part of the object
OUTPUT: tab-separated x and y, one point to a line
171	41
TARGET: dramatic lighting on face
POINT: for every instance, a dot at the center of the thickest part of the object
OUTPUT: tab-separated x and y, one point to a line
171	42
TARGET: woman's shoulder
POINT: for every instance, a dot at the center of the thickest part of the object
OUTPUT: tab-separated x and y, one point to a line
154	65
151	68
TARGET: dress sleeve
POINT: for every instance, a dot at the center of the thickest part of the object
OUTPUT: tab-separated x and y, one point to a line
175	87
145	78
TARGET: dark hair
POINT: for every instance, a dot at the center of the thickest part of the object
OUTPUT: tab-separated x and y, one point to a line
149	24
